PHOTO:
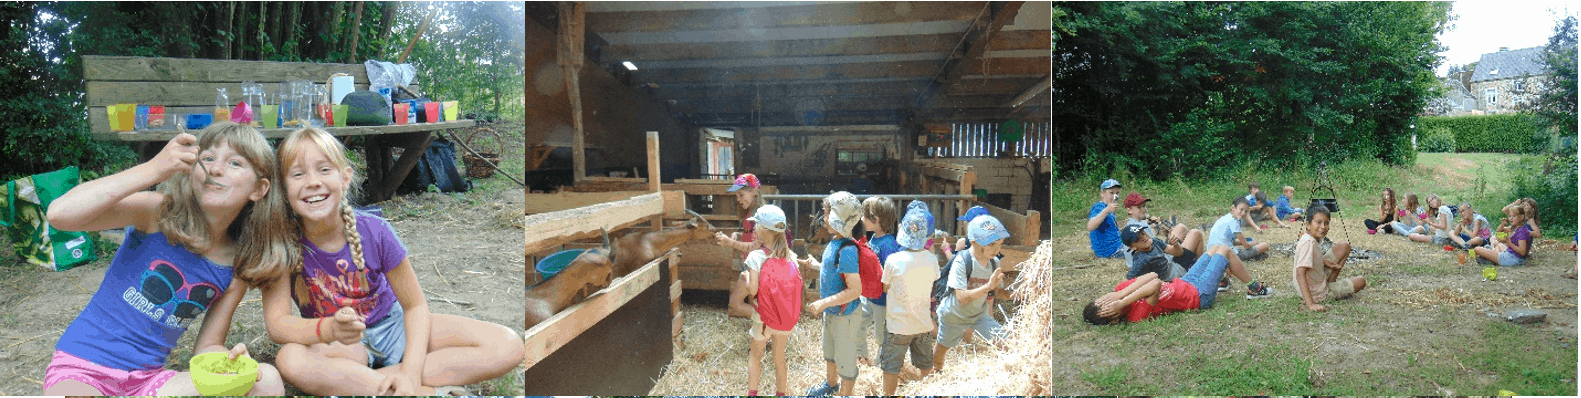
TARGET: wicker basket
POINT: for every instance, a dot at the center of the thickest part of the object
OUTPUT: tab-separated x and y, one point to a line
477	167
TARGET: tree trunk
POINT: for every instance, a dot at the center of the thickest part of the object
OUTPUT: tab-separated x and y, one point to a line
239	22
334	40
356	27
225	14
389	8
289	28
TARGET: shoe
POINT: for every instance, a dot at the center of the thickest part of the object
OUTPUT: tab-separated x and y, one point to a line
1372	232
822	390
1224	285
1257	290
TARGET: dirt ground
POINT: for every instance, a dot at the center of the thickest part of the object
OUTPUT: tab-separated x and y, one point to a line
465	249
1421	315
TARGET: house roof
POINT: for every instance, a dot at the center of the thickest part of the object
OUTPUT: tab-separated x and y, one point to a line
1509	64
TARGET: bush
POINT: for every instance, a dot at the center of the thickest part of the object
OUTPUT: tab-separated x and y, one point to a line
1551	181
1510	133
1437	139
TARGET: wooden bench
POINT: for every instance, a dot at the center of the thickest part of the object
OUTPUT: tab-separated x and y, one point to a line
187	86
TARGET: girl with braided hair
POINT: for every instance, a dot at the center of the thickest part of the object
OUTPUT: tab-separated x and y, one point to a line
365	327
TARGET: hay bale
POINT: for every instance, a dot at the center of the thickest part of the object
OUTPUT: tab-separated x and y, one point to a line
1019	364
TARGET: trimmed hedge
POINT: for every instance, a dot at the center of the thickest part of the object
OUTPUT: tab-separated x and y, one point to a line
1517	133
1437	140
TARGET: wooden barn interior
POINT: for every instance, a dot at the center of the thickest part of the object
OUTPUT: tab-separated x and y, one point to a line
922	98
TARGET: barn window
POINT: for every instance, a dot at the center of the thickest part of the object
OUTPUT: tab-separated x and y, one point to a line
981	140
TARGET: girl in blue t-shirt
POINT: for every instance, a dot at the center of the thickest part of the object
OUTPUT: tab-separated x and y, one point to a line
175	264
365	328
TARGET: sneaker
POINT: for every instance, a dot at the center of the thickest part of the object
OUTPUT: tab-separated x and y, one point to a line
1257	290
1224	285
822	390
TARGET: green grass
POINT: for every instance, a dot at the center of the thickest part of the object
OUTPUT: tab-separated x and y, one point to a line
1265	373
1526	362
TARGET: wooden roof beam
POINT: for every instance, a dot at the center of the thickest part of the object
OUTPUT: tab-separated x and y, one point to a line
974	43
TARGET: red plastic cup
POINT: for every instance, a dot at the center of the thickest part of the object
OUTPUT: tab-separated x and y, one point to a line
433	111
400	113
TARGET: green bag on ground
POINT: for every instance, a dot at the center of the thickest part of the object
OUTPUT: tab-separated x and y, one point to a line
26	201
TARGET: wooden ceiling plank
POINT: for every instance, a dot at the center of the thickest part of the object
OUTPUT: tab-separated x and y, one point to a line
792	16
974	43
934	43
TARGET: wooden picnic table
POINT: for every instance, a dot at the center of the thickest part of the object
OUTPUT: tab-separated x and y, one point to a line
188	86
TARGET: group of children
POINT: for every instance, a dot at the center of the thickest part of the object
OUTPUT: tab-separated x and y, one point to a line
1509	244
232	213
1176	271
1182	270
927	297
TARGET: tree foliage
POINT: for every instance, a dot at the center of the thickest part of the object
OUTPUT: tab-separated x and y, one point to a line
1556	103
1178	89
475	53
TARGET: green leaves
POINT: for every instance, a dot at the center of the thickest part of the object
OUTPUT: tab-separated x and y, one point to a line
1515	133
1323	81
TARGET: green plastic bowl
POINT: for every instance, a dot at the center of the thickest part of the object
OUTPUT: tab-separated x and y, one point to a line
215	374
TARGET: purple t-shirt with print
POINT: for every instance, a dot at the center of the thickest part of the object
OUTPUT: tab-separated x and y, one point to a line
1524	233
329	277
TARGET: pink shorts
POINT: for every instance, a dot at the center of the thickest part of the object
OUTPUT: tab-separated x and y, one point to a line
108	381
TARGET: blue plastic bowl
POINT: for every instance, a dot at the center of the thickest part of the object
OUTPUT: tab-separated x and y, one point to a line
552	264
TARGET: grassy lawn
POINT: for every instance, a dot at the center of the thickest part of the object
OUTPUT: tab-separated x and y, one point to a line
1423	325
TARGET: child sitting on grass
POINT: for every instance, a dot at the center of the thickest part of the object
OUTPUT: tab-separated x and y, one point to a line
364	326
1473	229
1318	262
1436	227
1386	212
1531	214
1145	297
1178	236
1259	208
1512	249
193	247
1102	232
774	288
1406	219
1149	254
1283	209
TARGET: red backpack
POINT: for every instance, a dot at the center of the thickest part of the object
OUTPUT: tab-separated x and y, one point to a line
868	266
779	294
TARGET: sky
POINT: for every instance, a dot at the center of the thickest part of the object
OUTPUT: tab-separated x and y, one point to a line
1482	26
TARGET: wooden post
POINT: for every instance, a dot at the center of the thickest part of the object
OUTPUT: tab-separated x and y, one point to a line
570	59
653	161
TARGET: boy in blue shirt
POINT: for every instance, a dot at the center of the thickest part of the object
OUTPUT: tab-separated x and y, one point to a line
1284	210
1102	231
839	284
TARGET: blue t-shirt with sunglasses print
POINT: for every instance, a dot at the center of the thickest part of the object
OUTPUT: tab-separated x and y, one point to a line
150	295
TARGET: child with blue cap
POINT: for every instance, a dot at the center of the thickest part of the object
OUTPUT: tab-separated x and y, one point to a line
908	281
1102	231
973	277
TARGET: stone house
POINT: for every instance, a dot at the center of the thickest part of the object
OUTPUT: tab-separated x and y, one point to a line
1505	80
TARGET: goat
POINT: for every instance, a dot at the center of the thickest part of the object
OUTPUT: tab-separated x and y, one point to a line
637	249
588	273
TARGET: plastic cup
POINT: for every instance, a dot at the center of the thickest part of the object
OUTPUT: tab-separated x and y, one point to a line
1490	273
1502	235
113	116
339	112
215	374
400	113
270	116
452	109
128	115
433	111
